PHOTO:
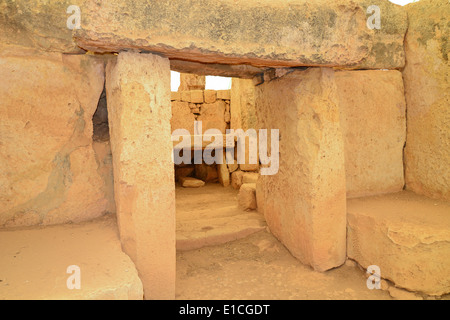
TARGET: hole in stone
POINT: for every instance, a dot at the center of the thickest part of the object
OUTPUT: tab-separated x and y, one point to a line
100	120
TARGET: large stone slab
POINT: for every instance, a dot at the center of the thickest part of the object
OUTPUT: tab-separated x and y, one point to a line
268	33
373	120
427	85
138	89
305	202
406	235
34	263
51	171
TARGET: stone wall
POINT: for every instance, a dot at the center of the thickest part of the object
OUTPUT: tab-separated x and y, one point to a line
426	78
52	171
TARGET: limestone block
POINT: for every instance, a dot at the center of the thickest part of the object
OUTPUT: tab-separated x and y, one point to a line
183	172
236	179
182	117
197	96
210	96
250	177
247	196
272	34
406	235
373	120
212	116
190	182
206	173
189	81
223	173
50	173
305	202
138	88
175	96
224	94
426	77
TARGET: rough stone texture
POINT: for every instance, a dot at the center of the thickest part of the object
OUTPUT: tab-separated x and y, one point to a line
206	173
242	104
236	179
400	294
250	177
210	96
247	196
189	182
305	202
34	263
373	122
268	33
197	96
138	88
427	85
50	171
223	173
190	81
406	235
182	117
183	172
212	116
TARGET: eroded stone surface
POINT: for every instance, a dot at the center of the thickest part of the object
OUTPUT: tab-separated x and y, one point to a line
406	235
50	171
426	76
373	120
305	202
138	88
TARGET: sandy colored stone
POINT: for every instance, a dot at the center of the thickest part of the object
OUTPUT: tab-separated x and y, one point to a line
138	87
212	116
271	34
236	179
232	167
224	94
400	294
206	172
185	96
373	121
305	201
189	81
247	196
182	117
35	261
250	177
426	77
210	96
183	172
223	173
260	194
50	172
175	96
406	235
197	96
243	113
190	182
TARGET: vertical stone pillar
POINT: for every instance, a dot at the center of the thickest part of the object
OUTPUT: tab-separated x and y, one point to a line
138	93
305	202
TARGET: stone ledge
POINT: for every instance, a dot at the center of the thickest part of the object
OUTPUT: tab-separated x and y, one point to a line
406	235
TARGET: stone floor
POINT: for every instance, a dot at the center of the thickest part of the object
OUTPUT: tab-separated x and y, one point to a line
210	216
34	262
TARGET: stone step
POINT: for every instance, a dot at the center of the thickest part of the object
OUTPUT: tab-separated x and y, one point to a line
34	263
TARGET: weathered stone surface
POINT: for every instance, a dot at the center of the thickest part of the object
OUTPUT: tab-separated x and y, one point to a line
236	179
183	172
400	294
223	173
197	96
206	173
182	117
272	33
50	171
250	177
373	121
224	94
41	25
189	182
175	96
406	235
138	87
190	81
427	85
305	202
224	70
243	113
212	116
210	96
35	260
247	196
